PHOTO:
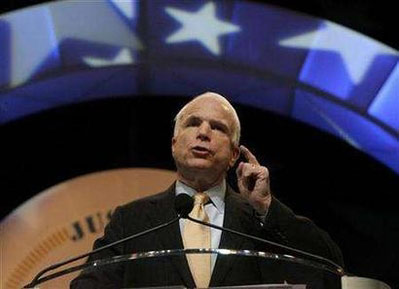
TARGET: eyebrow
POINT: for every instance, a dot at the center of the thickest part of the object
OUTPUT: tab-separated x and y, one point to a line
192	117
212	122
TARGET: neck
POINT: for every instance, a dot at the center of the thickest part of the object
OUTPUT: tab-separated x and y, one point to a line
198	183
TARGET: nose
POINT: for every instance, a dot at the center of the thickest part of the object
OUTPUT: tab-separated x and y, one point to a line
204	131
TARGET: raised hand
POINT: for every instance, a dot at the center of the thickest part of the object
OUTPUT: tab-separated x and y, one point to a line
253	182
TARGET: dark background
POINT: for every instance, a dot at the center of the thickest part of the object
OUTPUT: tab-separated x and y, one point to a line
343	190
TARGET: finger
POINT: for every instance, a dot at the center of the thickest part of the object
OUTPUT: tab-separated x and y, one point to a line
248	155
258	173
249	170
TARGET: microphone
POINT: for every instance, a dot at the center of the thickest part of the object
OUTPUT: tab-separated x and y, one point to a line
183	207
184	204
186	199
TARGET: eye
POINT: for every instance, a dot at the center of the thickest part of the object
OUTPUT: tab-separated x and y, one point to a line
217	127
220	127
193	122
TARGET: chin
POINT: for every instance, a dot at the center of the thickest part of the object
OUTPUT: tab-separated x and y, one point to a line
200	165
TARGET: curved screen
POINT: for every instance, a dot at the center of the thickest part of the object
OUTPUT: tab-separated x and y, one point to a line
306	68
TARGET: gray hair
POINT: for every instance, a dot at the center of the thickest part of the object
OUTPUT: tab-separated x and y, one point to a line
235	138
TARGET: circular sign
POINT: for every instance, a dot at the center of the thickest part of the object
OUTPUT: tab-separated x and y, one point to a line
64	220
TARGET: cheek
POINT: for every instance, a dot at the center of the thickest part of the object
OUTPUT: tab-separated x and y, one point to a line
227	152
179	145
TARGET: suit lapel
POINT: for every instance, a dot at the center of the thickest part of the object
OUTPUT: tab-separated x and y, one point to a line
235	211
170	237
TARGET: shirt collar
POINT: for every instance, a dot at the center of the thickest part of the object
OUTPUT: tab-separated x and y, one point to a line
216	193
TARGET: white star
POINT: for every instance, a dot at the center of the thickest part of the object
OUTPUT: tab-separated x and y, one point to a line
126	7
124	57
202	26
357	51
80	20
35	45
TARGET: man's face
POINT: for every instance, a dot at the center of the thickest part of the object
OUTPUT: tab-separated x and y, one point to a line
203	140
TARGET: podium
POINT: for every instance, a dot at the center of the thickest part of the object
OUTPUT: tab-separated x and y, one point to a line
273	271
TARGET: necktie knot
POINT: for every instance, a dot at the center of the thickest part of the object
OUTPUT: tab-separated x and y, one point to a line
200	198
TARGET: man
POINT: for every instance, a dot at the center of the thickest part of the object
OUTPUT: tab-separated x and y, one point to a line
205	145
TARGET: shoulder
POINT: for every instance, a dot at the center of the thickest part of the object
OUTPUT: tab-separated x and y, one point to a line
152	199
135	208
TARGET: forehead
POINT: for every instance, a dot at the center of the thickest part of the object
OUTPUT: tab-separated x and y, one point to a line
209	109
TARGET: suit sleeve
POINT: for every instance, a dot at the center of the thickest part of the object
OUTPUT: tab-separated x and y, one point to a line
300	232
282	226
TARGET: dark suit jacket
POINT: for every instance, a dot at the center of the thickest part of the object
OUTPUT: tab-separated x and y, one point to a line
281	226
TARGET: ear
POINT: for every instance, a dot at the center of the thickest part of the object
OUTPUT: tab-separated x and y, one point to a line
235	155
173	144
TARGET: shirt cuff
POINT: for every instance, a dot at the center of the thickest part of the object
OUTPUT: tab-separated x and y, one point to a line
261	217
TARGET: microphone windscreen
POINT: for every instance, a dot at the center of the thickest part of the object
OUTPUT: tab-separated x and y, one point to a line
183	205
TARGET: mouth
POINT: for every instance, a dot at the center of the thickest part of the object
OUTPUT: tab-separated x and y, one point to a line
201	151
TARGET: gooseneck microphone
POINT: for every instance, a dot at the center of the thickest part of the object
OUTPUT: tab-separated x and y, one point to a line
183	207
186	199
